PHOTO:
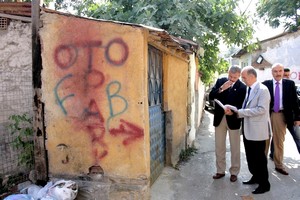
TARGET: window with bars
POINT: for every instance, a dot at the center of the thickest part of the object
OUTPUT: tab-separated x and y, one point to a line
3	23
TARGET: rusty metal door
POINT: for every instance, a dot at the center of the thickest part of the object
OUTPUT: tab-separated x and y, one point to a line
156	115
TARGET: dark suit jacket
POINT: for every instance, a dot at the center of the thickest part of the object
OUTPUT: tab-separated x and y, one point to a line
289	100
234	96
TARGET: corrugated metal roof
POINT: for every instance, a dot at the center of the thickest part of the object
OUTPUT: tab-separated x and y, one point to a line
24	9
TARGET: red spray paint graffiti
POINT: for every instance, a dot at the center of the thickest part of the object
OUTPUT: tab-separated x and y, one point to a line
80	58
128	129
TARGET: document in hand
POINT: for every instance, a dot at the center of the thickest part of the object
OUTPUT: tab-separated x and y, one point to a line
233	108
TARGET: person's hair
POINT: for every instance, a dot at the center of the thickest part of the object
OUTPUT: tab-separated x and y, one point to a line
287	70
277	64
250	70
234	69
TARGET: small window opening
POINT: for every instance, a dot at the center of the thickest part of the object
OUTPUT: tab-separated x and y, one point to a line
3	23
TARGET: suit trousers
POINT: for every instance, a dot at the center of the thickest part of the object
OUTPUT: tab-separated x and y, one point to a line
220	148
279	131
257	161
296	137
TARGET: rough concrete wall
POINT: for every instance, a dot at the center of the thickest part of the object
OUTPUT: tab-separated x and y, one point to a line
195	100
15	86
15	68
284	50
191	101
94	89
175	97
199	102
199	98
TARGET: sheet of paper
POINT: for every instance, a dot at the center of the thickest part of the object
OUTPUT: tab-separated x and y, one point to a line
226	106
231	107
220	103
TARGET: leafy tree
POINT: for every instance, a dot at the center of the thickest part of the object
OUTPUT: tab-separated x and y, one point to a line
280	12
203	21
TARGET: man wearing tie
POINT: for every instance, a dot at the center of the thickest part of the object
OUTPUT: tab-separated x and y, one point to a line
290	126
284	111
229	91
256	128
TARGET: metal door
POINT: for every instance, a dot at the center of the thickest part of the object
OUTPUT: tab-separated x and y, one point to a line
156	115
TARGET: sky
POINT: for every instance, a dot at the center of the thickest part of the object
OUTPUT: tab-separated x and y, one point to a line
263	31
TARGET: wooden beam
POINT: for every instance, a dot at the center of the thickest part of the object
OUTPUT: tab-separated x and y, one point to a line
24	19
40	155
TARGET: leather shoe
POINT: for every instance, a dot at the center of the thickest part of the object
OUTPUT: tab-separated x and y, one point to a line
261	190
250	182
281	171
233	178
218	176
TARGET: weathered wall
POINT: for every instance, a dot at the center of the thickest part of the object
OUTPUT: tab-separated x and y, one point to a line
195	100
15	69
175	100
15	87
95	94
284	49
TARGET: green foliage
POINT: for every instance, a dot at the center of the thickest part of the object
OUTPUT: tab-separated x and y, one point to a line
21	128
280	12
185	155
206	22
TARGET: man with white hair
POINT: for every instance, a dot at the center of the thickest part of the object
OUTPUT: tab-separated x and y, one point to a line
284	111
256	129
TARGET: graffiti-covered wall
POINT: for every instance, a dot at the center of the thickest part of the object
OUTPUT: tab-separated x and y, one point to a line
95	95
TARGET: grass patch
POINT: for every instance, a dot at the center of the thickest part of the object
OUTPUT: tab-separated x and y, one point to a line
185	156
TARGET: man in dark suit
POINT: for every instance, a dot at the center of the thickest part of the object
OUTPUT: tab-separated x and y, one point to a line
290	127
256	129
229	91
286	115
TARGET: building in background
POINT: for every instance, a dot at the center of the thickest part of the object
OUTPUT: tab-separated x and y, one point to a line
283	48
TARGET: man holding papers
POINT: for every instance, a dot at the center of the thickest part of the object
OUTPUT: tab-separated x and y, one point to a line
256	129
228	91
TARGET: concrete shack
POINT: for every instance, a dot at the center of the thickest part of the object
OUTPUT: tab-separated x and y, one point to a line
115	98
